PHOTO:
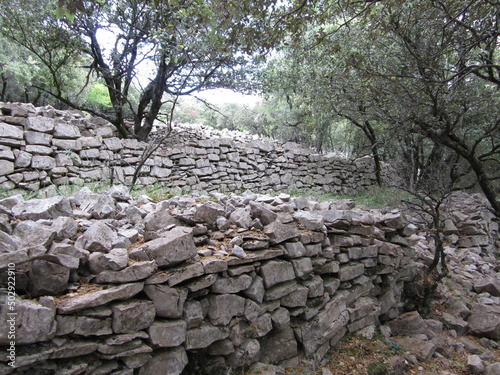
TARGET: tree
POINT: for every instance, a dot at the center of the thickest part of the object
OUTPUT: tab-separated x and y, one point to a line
425	71
187	45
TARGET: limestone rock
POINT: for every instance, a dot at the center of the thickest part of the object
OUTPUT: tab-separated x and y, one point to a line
278	232
168	302
98	237
49	208
204	335
167	333
98	298
223	307
33	322
135	272
276	271
265	215
423	350
48	278
231	284
174	247
171	361
279	346
132	316
31	233
115	260
484	321
489	284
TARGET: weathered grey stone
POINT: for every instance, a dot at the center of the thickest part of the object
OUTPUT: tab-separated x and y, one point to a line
279	232
43	162
456	323
231	284
87	326
484	321
49	208
6	167
362	252
241	217
475	364
493	369
10	131
115	260
40	124
265	215
423	350
31	233
278	346
192	313
32	322
23	160
201	283
134	272
295	299
98	237
408	324
294	250
22	256
8	243
137	360
310	221
67	256
245	354
350	272
167	333
280	290
208	213
159	219
204	335
174	247
276	271
65	227
174	276
65	130
457	308
168	302
489	285
324	325
302	267
222	347
171	361
98	298
315	286
132	316
223	307
48	278
256	290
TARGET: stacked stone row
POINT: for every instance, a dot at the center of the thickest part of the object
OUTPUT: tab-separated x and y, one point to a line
176	298
43	146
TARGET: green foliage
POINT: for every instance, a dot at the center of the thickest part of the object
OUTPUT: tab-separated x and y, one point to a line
98	96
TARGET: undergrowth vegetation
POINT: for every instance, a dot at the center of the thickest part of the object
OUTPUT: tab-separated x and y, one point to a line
379	198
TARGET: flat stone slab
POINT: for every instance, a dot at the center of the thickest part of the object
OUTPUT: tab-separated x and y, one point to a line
101	297
135	272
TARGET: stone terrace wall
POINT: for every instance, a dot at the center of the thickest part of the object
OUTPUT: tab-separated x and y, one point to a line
132	287
42	146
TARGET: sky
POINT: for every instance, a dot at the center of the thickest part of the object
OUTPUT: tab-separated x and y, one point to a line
221	96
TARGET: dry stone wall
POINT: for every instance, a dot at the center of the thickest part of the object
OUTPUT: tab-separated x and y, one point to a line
43	146
123	286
